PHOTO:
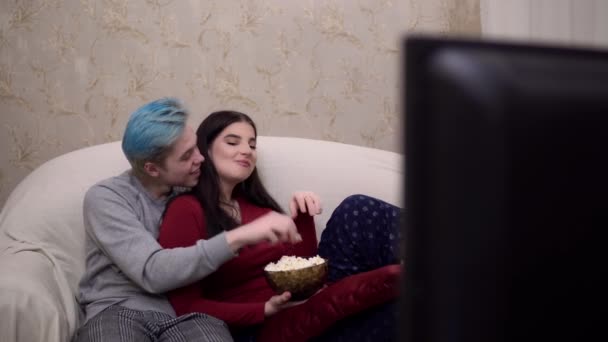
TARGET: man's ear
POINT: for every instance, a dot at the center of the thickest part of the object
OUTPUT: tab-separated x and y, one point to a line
151	169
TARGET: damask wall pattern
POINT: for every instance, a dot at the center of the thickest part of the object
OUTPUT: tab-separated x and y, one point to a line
71	71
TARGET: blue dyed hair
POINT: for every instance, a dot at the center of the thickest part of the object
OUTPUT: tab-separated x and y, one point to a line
151	131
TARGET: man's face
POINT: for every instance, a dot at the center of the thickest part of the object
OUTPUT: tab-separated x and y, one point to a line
182	165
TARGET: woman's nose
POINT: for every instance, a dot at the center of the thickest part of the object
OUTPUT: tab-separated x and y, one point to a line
246	149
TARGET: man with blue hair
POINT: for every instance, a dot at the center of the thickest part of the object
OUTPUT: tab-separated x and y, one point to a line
127	272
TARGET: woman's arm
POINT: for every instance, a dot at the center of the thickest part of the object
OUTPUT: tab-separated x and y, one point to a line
191	298
336	302
183	225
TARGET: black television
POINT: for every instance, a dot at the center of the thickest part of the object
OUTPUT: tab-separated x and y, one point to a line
506	189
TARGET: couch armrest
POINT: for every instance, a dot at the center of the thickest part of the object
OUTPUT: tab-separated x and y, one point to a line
32	299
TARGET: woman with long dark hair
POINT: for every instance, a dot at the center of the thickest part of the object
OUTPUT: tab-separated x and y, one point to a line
364	266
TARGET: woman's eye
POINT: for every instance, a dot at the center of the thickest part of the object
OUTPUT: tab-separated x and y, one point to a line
231	143
252	147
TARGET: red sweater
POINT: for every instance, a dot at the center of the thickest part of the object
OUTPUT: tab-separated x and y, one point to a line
237	291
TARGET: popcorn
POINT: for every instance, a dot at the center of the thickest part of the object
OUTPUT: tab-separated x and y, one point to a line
287	263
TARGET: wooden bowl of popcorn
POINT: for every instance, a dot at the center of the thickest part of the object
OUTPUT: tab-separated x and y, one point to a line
302	277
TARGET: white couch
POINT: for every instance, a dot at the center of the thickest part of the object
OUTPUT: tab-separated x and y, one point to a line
42	233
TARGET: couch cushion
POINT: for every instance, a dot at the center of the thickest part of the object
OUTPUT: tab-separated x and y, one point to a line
37	311
42	241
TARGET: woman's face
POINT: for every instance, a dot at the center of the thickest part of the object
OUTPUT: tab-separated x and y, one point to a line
233	153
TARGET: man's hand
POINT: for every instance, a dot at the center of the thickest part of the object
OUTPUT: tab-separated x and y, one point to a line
272	227
305	202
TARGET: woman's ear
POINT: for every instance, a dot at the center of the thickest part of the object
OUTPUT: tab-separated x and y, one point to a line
151	169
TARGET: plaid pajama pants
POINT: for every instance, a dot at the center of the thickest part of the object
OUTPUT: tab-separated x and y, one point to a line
121	324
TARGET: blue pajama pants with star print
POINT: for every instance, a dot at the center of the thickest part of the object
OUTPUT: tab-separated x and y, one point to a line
363	233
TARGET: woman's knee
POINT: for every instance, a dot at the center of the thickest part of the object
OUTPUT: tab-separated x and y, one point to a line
359	201
355	200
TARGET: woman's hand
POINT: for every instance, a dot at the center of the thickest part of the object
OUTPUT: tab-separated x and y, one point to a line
305	202
278	303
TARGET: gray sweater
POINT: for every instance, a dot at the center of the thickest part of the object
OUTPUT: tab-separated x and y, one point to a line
124	263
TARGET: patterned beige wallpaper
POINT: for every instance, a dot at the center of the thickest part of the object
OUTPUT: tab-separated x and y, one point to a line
71	71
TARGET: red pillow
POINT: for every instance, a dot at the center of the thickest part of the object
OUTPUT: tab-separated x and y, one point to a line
339	300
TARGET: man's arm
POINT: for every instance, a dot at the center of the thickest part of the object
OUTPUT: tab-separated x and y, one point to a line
117	231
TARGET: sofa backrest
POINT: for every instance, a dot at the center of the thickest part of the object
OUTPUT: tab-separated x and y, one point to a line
332	170
45	210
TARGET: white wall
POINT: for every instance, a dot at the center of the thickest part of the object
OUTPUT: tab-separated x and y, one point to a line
571	22
72	71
